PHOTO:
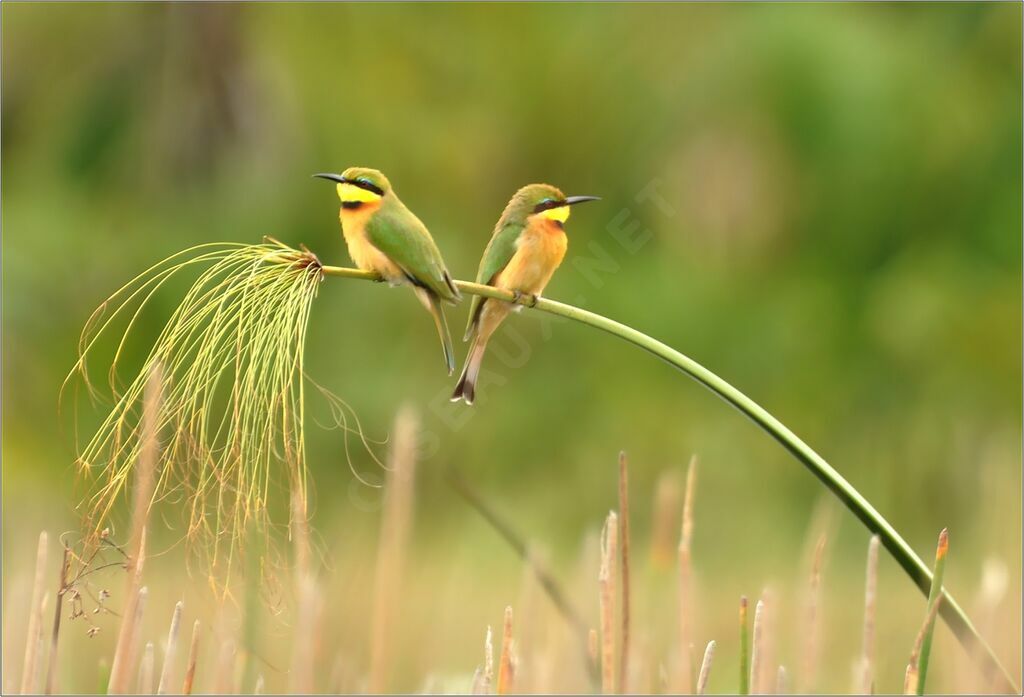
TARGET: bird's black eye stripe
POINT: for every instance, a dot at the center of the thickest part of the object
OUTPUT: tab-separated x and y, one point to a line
545	205
364	184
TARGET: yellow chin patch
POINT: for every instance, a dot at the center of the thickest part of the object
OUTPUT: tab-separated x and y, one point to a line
559	214
350	193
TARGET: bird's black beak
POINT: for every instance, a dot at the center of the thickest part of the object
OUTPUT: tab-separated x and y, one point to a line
333	177
573	200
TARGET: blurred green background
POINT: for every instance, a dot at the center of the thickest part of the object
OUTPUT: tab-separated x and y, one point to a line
822	204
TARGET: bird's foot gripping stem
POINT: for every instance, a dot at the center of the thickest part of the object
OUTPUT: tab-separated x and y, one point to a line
527	299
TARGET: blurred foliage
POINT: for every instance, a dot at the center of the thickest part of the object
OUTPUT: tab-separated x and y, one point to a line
836	230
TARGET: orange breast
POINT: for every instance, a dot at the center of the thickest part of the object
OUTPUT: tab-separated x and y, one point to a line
539	252
366	256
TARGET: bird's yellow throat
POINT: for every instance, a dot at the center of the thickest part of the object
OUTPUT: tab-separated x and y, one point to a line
559	214
350	193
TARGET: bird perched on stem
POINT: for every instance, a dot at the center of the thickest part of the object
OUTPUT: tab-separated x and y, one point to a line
527	245
385	237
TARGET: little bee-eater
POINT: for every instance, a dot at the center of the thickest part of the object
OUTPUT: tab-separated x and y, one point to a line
526	247
385	237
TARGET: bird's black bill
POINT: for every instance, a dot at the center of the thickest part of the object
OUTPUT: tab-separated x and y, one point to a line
333	177
360	182
573	200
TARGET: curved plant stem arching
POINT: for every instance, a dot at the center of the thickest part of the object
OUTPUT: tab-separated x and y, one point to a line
920	574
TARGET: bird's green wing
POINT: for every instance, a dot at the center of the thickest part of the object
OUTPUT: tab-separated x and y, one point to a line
405	240
499	252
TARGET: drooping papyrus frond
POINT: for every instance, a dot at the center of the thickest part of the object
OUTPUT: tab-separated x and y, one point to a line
224	425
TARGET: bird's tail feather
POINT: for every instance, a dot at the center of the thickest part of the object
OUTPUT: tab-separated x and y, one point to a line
465	388
433	305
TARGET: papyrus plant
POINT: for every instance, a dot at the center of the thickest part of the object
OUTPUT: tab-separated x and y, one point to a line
230	419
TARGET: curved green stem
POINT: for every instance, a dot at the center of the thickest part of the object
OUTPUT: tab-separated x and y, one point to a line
951	612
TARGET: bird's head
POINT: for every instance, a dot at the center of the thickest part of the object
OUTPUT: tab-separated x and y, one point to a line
359	185
542	201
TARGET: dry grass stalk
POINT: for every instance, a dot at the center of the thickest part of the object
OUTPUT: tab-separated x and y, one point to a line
812	626
668	494
744	649
606	582
866	676
506	666
623	675
126	637
227	666
769	639
482	679
705	668
149	454
301	676
51	671
934	600
125	655
995	580
33	656
145	684
685	577
592	646
782	681
397	514
757	650
912	678
308	595
142	496
190	665
171	651
39	678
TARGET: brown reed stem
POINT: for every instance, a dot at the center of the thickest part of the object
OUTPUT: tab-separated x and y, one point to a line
757	649
812	628
149	454
396	518
911	683
227	663
126	638
506	668
483	678
744	649
606	582
705	668
51	673
29	669
782	681
308	601
171	651
623	675
145	684
668	496
685	575
870	606
190	665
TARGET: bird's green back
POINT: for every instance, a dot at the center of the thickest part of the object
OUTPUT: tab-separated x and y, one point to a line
399	234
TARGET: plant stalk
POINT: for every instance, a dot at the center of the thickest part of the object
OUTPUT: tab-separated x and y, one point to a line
951	612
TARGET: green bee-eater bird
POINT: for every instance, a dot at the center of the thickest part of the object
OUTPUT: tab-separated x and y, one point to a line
526	247
385	237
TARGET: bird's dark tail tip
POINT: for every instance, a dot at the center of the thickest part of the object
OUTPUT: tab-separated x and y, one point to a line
464	389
